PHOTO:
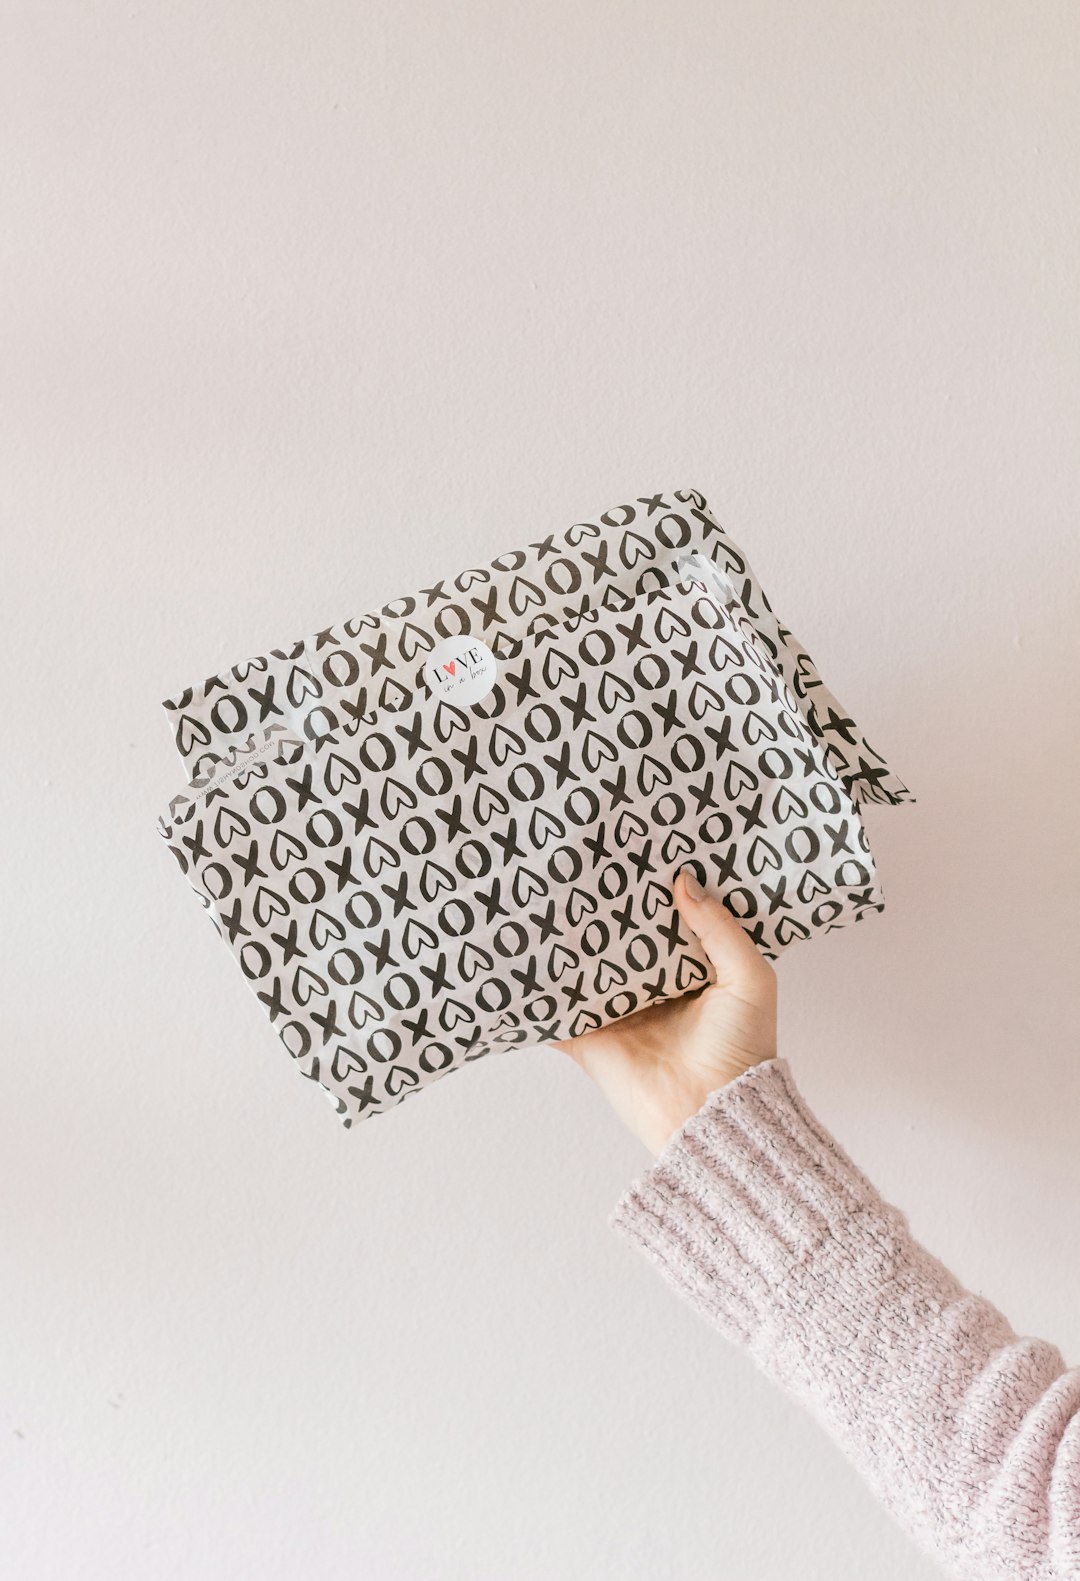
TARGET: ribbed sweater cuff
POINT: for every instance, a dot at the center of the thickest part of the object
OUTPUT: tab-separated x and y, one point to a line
737	1209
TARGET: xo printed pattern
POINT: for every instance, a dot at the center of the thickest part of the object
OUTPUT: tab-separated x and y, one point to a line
336	682
441	882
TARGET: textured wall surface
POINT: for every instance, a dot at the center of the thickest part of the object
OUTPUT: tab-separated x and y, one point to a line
301	305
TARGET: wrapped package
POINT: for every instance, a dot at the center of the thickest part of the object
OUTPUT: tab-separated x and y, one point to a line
451	826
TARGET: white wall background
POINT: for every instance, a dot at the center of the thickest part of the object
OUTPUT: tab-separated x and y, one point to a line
303	304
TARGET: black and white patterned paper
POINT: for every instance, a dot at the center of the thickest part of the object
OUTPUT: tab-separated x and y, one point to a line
409	882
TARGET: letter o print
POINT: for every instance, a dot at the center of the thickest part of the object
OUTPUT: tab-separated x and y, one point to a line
384	1045
612	881
402	991
511	940
643	952
741	902
594	940
568	579
453	621
715	828
639	735
436	1056
417	836
542	723
564	865
670	809
341	668
377	752
307	886
222	879
456	918
743	689
434	777
582	806
775	763
526	782
675	536
803	844
296	1038
493	995
324	829
268	805
363	909
825	796
687	754
473	859
651	671
254	959
345	967
850	874
596	647
229	714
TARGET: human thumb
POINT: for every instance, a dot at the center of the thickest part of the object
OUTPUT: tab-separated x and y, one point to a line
735	958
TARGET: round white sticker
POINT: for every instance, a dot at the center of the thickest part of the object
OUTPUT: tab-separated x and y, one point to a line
461	669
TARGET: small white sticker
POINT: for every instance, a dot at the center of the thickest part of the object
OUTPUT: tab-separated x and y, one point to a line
460	669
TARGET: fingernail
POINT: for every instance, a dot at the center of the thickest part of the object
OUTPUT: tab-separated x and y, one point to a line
693	884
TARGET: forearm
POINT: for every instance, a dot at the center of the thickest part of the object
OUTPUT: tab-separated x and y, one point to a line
969	1434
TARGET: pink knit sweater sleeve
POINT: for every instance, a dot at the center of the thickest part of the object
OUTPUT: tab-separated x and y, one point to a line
969	1434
